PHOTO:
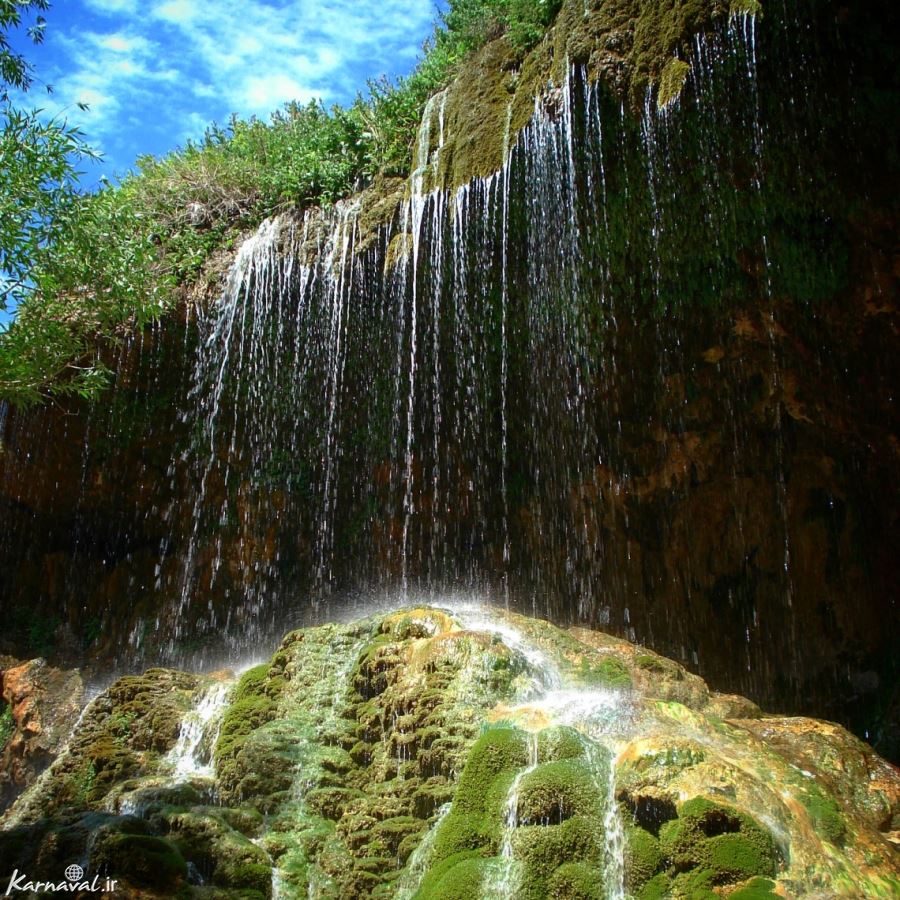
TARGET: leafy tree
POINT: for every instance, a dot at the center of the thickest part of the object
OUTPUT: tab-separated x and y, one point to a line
15	70
38	191
84	268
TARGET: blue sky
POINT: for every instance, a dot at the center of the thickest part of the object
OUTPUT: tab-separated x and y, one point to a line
155	73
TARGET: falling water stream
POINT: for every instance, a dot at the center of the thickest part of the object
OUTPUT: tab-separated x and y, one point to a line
191	757
564	387
603	716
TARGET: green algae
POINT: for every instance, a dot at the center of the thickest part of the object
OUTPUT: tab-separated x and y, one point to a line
824	812
671	82
643	857
355	736
717	843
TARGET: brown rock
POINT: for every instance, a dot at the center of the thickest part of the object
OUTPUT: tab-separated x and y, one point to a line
44	703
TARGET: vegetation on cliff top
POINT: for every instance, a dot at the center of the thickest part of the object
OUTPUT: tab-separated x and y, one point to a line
83	266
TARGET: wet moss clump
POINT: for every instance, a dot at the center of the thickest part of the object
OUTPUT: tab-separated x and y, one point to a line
557	837
756	889
716	843
576	881
543	850
643	858
671	82
556	791
252	707
475	821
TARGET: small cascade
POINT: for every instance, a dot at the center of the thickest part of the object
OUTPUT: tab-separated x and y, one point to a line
543	670
505	881
604	716
190	757
417	865
331	693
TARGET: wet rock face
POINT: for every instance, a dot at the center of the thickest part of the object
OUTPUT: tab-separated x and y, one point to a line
670	415
436	755
38	705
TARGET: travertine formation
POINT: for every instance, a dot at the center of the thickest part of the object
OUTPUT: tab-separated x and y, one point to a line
466	753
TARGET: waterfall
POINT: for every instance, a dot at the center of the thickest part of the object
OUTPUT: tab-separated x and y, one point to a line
584	386
505	883
469	325
191	755
417	865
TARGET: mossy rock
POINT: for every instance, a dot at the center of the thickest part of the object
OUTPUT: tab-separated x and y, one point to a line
720	840
462	832
577	881
139	859
735	857
609	672
459	877
222	855
826	815
543	849
672	81
643	857
697	884
756	889
659	887
498	752
556	791
560	742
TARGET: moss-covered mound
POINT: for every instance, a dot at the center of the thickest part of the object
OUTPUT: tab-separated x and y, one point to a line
433	755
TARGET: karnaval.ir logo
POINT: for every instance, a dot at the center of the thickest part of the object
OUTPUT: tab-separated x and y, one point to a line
76	880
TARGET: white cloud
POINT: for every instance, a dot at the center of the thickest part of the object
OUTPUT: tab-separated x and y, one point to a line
120	43
111	7
179	11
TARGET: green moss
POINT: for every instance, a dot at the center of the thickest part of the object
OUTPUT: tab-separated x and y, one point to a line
543	849
696	884
643	857
672	81
610	672
756	889
459	877
719	840
498	752
577	881
560	742
251	707
735	857
658	887
251	684
825	814
556	791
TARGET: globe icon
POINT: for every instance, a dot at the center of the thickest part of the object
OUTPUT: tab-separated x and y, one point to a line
74	873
